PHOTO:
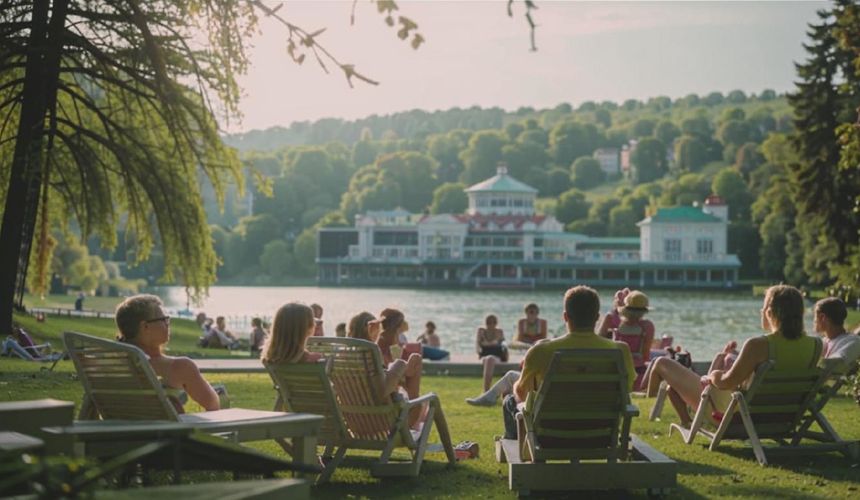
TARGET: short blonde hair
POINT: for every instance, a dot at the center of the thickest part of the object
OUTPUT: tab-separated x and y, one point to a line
131	311
290	330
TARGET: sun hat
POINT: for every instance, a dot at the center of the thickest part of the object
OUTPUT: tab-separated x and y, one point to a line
636	301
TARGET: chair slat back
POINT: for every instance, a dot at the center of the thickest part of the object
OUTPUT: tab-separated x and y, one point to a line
578	408
117	379
305	388
778	399
357	376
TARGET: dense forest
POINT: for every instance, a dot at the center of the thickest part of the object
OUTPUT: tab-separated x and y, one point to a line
788	166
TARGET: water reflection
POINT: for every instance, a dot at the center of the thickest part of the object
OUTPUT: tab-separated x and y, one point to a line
700	321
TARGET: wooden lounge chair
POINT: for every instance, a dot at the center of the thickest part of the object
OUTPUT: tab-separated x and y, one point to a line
356	414
574	432
840	374
772	407
119	384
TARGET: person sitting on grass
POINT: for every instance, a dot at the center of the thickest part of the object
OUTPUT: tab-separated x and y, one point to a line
21	345
785	343
141	322
292	326
531	329
431	344
258	337
490	344
220	336
581	312
829	321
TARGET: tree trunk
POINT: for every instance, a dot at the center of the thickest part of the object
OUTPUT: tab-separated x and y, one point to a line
22	199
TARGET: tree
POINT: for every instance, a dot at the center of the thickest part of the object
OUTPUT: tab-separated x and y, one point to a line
571	206
748	159
622	221
482	156
736	97
825	99
603	117
114	101
767	95
729	185
713	99
449	198
649	161
557	181
690	154
570	140
667	132
586	173
445	149
276	259
642	128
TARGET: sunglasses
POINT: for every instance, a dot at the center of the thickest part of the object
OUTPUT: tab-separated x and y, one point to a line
165	319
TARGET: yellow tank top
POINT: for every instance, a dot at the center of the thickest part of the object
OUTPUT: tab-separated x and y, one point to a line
793	354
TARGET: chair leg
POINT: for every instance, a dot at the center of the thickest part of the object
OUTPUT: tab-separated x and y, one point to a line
442	429
332	465
659	402
753	435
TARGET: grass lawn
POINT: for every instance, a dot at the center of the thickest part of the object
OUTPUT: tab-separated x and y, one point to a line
91	303
731	472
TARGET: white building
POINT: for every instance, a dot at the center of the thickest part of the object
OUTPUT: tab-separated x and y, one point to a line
610	160
500	241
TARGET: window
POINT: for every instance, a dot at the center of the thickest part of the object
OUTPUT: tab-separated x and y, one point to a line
704	246
672	249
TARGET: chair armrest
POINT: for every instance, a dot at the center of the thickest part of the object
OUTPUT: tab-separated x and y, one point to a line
631	410
426	398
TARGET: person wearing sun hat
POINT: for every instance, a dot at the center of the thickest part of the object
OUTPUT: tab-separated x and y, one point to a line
636	332
612	319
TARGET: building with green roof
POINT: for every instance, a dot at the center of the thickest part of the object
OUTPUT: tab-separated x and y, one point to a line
501	242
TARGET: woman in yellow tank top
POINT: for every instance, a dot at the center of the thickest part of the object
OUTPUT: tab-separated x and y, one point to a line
785	343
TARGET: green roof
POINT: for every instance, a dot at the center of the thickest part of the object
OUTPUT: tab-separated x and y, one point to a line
681	214
501	183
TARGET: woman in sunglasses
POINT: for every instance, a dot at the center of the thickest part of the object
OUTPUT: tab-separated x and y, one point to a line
141	322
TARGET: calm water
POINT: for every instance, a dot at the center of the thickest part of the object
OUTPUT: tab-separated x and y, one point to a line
700	321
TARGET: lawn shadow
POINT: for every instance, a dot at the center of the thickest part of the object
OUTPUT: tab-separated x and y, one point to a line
832	466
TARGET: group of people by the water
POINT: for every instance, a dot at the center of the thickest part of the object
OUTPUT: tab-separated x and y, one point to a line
142	321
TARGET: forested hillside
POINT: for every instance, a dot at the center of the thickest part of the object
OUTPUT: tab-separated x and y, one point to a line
734	145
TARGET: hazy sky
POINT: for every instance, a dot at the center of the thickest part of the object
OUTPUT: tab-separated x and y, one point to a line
476	55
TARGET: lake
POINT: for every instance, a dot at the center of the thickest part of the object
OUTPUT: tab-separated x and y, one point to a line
700	321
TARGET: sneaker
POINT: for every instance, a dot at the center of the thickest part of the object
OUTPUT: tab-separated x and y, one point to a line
485	399
466	449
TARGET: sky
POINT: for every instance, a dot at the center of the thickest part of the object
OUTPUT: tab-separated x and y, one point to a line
475	54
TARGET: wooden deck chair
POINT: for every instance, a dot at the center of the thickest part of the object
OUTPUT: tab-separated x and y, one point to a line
574	432
358	415
772	407
119	384
840	374
305	388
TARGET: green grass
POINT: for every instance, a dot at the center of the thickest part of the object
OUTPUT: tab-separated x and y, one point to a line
731	472
184	333
101	304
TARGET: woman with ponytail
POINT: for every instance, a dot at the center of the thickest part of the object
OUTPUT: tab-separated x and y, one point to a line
784	342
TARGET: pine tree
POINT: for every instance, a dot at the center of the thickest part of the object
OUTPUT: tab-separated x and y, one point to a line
826	98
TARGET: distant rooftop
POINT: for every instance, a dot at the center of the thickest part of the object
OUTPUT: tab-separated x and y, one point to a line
681	214
501	183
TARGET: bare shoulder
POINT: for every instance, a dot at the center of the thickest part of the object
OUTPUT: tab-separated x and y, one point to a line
184	365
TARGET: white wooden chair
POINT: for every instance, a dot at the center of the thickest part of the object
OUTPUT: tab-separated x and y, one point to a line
574	432
119	384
